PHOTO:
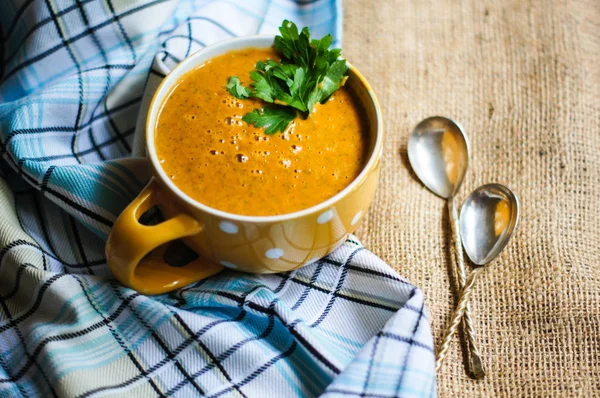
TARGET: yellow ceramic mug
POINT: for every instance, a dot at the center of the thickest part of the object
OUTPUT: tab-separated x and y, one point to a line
260	244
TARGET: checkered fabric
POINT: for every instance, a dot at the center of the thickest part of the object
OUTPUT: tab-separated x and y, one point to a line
76	76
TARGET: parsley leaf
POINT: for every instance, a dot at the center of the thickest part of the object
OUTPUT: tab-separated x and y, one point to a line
263	86
273	119
308	73
237	89
333	79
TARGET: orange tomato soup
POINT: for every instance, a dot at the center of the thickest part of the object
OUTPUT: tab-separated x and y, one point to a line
223	162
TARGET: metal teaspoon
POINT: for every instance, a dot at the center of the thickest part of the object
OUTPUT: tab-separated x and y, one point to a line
488	219
438	151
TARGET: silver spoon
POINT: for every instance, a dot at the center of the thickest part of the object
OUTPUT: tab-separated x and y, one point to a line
438	152
488	219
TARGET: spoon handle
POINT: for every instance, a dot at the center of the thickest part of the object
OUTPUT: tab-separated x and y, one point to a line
465	296
475	362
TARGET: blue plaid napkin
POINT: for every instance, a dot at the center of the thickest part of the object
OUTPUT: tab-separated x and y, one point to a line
76	77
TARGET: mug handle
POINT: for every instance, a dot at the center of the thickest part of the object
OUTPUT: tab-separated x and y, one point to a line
131	254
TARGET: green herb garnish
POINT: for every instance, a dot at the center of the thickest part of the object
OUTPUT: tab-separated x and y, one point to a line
236	88
273	119
309	72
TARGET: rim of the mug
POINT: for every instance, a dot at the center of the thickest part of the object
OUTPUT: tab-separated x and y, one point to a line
257	41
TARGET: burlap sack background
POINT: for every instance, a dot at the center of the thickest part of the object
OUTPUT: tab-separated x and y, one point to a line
523	78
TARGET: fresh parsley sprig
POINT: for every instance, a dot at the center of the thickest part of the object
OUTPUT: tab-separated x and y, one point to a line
236	88
272	119
309	72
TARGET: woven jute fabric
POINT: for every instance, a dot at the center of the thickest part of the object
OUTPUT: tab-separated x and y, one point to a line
523	79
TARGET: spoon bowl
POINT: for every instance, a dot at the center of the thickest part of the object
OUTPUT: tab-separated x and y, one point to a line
488	219
438	152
